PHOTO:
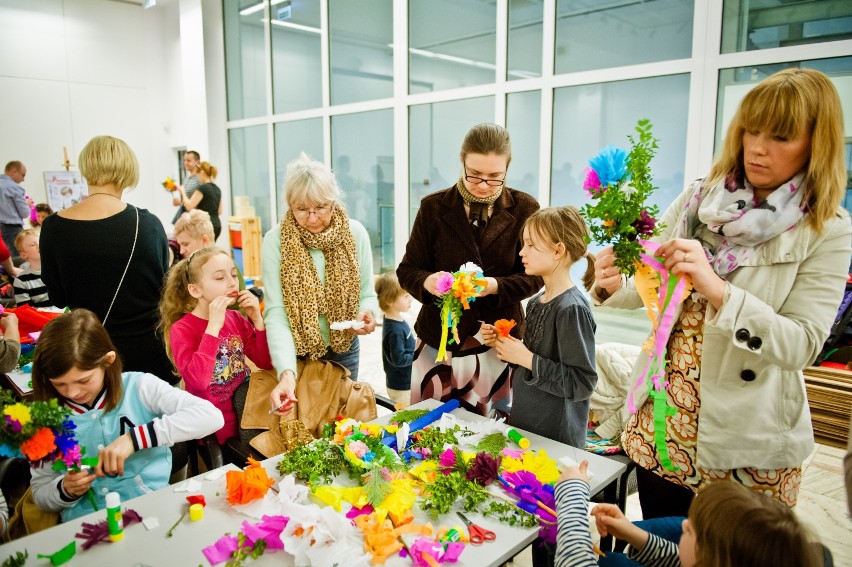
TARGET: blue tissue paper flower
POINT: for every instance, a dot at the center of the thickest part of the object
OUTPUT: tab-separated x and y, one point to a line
610	165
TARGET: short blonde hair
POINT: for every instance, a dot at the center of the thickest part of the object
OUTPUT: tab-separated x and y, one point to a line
310	182
388	290
19	240
107	160
196	223
786	104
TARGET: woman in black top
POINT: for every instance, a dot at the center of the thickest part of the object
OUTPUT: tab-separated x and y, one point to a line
110	257
207	197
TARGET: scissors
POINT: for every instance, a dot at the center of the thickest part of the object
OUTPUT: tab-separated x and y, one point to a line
478	534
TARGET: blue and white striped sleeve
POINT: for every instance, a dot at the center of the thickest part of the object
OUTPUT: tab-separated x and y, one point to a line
573	540
657	552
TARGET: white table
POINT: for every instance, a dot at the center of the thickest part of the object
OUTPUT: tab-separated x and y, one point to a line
142	548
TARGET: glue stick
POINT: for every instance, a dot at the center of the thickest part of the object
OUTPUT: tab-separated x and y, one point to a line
115	522
516	436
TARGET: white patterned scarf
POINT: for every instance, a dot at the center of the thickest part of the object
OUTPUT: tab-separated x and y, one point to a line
730	209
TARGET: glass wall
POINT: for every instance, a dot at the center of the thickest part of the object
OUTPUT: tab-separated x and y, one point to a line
380	143
452	43
291	139
591	34
364	173
360	49
244	58
523	120
296	55
525	37
250	169
436	132
588	118
749	25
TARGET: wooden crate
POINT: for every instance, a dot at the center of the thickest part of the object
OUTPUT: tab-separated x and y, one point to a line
830	399
248	242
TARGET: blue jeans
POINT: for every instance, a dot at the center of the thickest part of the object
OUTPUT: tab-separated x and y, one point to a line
666	528
349	359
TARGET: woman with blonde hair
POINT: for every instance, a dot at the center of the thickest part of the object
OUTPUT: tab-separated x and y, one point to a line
766	244
317	270
207	196
110	257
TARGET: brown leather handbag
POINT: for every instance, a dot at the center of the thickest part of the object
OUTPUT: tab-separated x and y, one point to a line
323	391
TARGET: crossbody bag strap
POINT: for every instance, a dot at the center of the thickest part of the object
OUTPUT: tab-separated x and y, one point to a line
127	267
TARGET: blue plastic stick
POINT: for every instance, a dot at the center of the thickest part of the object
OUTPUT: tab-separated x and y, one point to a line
421	422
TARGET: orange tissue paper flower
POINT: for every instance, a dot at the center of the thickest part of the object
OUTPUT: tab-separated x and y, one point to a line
250	484
39	445
504	326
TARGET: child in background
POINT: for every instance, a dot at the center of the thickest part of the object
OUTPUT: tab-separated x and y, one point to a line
207	342
193	231
10	342
397	338
29	289
138	415
555	375
728	524
42	210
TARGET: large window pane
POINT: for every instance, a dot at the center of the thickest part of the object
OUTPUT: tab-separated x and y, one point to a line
360	50
525	36
523	120
250	169
435	135
588	118
365	175
735	83
452	43
296	69
749	25
292	138
596	34
244	58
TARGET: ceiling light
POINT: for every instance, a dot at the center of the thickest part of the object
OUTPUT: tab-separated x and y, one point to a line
252	9
294	26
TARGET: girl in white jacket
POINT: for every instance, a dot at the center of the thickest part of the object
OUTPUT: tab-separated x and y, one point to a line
128	420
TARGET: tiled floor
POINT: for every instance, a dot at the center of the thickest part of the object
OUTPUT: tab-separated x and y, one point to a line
822	500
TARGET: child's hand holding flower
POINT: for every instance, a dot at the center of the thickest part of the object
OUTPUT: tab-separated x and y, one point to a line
513	351
489	334
78	483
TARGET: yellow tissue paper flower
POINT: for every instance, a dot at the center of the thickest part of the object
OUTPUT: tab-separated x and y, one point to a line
18	412
538	463
400	501
334	496
424	471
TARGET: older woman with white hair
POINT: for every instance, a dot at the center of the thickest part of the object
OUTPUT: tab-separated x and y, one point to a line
317	270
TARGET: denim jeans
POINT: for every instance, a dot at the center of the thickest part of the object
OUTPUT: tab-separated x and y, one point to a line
349	359
666	528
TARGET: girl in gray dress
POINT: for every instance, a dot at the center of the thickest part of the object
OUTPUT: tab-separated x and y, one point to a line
555	373
555	363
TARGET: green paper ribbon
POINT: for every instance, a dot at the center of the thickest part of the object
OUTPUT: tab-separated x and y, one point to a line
662	409
62	556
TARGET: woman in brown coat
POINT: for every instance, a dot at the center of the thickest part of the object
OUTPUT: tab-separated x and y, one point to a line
478	220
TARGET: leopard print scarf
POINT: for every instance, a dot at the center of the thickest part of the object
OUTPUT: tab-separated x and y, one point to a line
305	297
479	206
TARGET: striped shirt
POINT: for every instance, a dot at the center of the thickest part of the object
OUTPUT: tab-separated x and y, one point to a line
30	290
574	542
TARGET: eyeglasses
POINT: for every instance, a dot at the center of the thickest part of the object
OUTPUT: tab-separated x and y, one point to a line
319	211
477	180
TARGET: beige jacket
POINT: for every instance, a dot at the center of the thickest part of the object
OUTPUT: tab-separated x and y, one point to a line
775	317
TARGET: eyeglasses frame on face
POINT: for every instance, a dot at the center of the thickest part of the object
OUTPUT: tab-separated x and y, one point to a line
478	180
316	210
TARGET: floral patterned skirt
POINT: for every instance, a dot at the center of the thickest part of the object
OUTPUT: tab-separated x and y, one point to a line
473	375
683	374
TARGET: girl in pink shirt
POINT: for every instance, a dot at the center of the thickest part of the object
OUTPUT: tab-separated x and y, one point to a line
207	342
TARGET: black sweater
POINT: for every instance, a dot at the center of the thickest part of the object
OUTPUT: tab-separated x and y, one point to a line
82	263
